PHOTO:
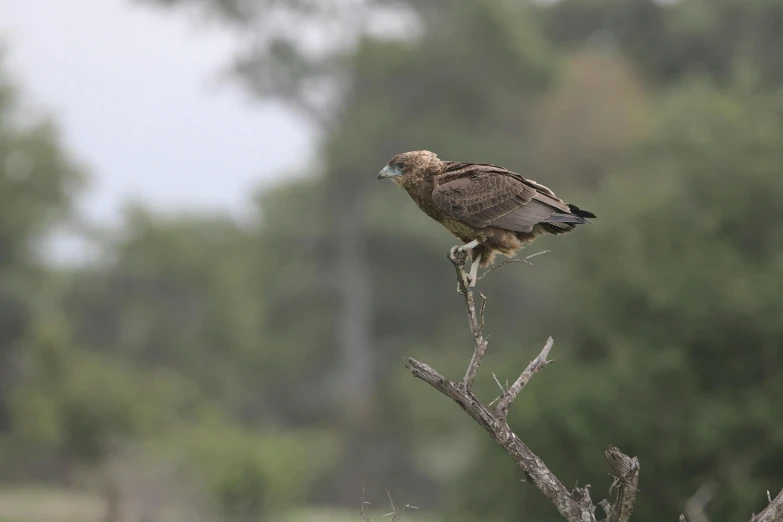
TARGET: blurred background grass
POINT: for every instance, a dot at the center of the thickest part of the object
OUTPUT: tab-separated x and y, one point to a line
204	366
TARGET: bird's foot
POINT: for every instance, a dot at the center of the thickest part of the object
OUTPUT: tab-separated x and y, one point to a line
459	254
467	247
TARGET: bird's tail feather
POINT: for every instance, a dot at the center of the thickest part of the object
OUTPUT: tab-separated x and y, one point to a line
581	213
558	228
565	218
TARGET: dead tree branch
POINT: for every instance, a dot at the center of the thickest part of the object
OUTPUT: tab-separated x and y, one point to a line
625	471
458	257
364	503
393	515
773	512
535	366
573	506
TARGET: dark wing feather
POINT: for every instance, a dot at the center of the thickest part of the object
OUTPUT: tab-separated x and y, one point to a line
486	195
480	198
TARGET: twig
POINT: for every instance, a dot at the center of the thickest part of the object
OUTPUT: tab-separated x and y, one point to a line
458	258
483	307
518	260
502	389
535	366
364	516
393	514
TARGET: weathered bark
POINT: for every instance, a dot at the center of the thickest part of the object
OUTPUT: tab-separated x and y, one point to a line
773	512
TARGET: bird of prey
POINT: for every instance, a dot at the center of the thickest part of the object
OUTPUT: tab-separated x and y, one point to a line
491	209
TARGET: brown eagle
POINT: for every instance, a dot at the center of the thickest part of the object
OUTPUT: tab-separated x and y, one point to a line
489	208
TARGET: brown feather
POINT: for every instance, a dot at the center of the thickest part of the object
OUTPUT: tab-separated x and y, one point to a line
498	207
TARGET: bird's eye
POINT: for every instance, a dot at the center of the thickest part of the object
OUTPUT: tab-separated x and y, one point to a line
398	166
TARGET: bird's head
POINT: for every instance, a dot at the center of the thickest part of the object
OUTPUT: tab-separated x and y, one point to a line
409	165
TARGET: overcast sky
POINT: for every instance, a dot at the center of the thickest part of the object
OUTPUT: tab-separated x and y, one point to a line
137	95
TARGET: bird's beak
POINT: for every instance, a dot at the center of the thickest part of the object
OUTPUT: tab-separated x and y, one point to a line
388	172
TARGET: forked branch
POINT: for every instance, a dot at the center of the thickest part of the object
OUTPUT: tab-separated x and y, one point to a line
573	506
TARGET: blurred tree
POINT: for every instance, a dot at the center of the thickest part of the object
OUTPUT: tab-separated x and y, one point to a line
253	476
79	405
38	182
590	122
670	40
175	295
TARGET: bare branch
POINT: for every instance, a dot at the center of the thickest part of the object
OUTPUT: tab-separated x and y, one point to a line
534	367
574	507
625	471
773	512
518	260
606	506
364	515
393	514
534	468
483	308
458	258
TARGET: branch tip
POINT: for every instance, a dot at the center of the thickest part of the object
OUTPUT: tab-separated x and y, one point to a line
513	391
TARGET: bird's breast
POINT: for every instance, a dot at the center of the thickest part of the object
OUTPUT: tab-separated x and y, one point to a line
421	193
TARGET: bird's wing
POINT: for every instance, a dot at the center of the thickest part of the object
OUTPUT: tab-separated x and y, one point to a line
487	195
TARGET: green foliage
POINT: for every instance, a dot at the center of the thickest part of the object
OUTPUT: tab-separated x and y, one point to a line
671	40
81	404
254	474
38	182
38	179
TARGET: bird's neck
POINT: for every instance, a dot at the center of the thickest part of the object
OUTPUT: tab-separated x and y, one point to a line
420	190
418	184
